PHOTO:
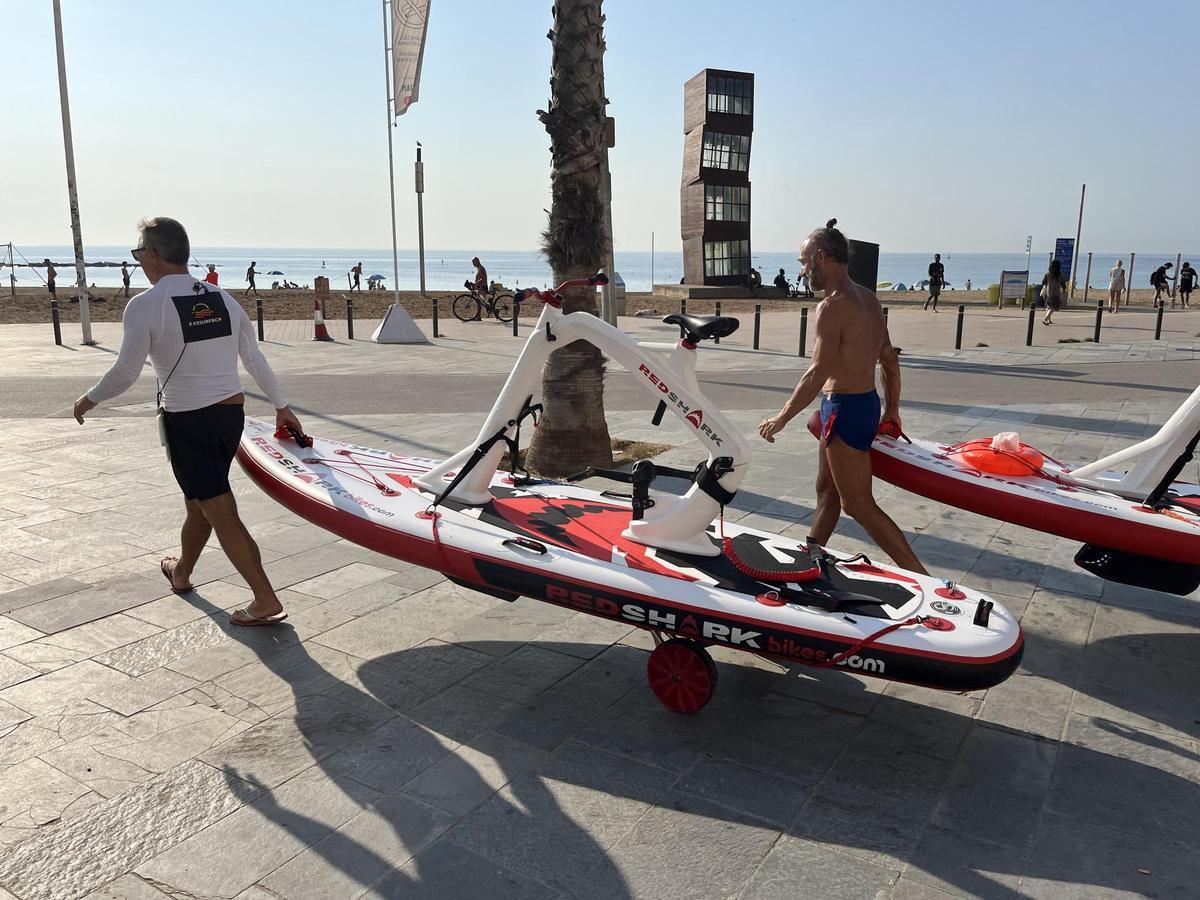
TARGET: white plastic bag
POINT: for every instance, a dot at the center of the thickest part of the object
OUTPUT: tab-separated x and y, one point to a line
1007	440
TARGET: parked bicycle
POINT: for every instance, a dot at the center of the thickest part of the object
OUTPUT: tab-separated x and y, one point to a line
469	307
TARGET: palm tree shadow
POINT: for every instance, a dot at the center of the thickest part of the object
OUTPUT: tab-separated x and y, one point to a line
326	703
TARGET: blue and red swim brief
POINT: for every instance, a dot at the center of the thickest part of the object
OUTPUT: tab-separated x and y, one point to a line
852	417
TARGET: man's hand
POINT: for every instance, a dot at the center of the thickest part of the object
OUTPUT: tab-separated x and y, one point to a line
285	418
82	407
891	416
768	428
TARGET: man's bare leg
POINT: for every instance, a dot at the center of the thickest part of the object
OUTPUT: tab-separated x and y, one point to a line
851	470
829	505
239	546
193	536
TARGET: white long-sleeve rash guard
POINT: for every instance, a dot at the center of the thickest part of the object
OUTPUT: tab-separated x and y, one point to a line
218	332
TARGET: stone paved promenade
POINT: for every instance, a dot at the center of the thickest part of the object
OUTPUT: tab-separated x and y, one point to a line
403	737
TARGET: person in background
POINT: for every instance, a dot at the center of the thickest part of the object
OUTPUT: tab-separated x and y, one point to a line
1052	289
481	281
1187	281
754	280
212	277
781	282
1160	282
357	273
250	273
937	275
194	336
968	284
51	274
1116	286
125	277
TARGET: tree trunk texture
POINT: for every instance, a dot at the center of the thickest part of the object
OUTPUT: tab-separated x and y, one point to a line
573	433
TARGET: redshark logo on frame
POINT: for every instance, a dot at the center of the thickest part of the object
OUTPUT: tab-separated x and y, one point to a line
694	416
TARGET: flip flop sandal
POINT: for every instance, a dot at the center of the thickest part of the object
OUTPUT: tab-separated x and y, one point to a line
249	621
165	569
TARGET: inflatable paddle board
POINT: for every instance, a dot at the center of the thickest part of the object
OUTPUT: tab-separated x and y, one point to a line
564	544
1154	544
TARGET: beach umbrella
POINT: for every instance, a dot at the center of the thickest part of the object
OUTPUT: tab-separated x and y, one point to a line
884	284
376	277
274	272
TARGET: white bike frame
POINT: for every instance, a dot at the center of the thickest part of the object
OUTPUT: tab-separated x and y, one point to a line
666	372
1146	463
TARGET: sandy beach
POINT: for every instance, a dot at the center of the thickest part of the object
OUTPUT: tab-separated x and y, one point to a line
31	305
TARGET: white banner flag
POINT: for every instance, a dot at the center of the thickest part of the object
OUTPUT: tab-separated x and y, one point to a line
410	18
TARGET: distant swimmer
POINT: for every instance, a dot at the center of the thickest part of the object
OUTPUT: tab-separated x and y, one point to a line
851	338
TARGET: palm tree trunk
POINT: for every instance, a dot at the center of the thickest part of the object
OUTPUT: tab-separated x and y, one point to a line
573	433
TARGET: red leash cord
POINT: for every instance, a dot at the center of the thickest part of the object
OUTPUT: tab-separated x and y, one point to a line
771	575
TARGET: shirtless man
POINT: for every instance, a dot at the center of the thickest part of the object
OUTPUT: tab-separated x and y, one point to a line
481	282
851	337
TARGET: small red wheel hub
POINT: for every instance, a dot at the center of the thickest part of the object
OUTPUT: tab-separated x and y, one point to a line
682	675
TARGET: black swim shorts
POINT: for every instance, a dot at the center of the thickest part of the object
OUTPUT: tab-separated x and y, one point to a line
203	443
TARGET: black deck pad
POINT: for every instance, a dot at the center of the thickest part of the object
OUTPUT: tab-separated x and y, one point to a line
1140	571
593	528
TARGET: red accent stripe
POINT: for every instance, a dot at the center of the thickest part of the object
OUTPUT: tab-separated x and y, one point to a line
423	552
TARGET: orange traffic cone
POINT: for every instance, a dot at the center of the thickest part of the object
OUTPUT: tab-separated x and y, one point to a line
320	332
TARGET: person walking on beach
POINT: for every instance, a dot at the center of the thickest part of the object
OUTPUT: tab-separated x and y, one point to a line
937	276
194	336
250	273
1052	289
1116	286
212	277
357	273
125	277
851	338
51	274
481	280
1158	279
1187	281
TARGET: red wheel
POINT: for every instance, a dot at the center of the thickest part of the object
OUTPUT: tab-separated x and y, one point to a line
682	675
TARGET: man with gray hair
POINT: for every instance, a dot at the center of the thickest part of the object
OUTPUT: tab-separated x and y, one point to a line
194	334
852	338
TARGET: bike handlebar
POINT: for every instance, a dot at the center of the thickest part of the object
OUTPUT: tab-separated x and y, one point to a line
553	295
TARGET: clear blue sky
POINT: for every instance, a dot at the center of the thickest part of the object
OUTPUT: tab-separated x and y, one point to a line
956	126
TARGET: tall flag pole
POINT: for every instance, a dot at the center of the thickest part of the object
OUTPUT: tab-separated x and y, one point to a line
85	315
387	75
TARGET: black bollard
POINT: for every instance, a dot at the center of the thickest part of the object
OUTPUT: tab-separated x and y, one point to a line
435	319
349	319
1029	327
757	323
962	310
516	315
804	328
683	307
717	312
885	316
57	322
259	311
1158	323
1099	315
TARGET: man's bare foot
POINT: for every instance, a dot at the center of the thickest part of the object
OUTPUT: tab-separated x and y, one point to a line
180	584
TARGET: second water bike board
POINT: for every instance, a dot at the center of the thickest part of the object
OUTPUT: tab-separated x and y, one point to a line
563	544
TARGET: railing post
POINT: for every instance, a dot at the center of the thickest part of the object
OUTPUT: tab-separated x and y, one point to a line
757	323
258	308
57	322
350	318
962	309
434	301
1099	316
804	329
1158	323
717	312
1029	327
683	306
516	315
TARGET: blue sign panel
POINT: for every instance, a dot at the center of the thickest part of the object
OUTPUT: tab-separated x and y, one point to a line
1064	250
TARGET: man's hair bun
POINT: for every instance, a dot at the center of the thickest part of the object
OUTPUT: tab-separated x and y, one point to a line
831	223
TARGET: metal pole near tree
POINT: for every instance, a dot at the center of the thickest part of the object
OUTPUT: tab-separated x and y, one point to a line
1129	280
1087	279
1075	249
420	172
85	314
1175	279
